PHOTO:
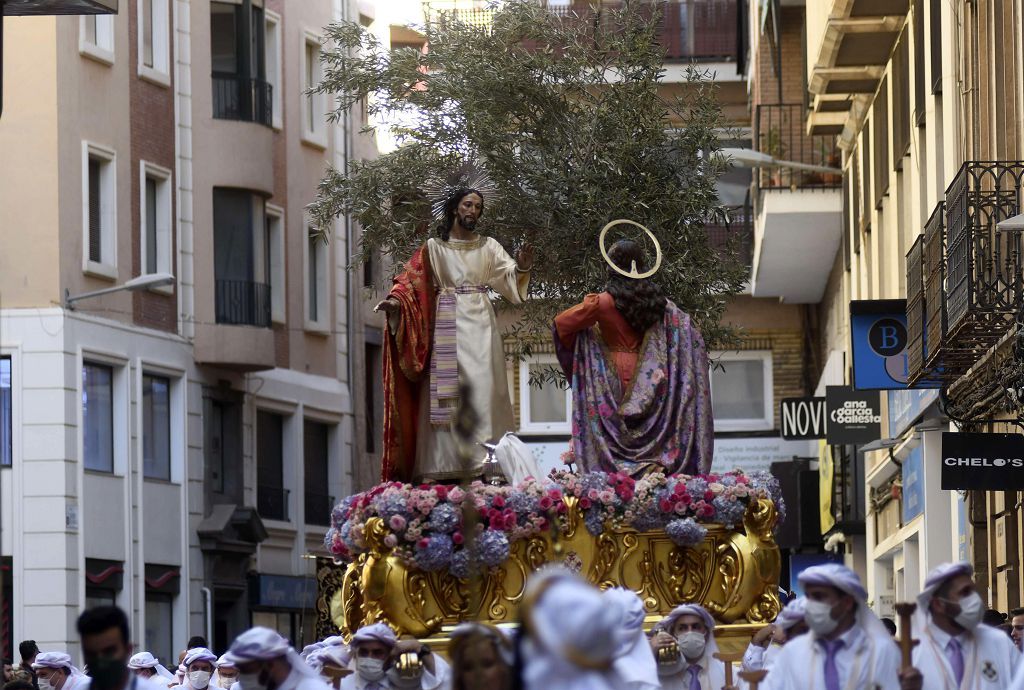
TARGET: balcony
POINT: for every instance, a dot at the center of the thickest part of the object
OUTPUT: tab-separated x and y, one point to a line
971	268
243	303
241	98
797	212
689	30
272	503
849	43
318	509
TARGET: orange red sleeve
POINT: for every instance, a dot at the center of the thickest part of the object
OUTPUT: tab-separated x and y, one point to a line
577	318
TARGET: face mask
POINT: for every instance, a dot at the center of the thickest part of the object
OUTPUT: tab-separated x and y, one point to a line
225	682
45	684
692	644
819	618
250	681
370	670
199	679
971	612
107	674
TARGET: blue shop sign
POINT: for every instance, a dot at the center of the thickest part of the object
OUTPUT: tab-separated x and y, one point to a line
285	592
913	484
879	337
906	407
799	562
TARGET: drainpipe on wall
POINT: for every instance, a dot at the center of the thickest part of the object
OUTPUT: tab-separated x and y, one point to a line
208	613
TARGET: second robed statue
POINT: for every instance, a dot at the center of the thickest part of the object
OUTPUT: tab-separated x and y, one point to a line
641	398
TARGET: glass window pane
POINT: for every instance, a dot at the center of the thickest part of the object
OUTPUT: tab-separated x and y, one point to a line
147	33
311	64
89	21
6	429
95	211
98	417
738	391
160	627
99	597
547	404
224	37
151	233
156	427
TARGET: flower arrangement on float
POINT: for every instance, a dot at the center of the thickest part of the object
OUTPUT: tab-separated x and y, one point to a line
426	530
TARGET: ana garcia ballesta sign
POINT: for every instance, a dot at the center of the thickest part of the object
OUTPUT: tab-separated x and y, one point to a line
853	416
982	461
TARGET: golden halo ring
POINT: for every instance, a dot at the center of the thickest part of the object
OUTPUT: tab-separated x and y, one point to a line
633	272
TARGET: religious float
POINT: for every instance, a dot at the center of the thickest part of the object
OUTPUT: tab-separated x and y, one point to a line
424	558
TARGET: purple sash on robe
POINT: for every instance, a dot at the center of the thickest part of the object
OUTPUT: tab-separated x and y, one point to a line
665	417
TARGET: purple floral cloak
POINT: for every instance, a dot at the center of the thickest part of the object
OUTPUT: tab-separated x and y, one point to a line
665	416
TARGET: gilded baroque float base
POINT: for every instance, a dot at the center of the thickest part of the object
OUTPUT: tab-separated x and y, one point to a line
733	573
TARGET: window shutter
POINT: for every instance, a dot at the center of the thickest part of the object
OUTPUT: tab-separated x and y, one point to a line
95	213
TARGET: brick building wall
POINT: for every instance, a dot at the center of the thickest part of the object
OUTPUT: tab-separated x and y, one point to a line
765	85
152	140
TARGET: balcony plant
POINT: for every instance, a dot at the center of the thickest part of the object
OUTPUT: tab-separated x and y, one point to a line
774	147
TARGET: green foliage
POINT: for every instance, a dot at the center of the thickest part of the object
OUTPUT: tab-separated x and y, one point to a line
574	126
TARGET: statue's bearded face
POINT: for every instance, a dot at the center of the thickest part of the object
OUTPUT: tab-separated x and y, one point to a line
469	211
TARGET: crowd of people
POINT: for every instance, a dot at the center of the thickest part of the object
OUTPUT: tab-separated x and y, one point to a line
573	636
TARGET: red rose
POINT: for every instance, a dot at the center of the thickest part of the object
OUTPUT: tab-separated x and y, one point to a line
499	502
441	491
665	505
423	543
560	508
627	495
545	503
584	503
709	495
457	538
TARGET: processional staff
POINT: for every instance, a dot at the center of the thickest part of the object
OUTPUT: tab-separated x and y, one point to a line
728	660
905	611
753	678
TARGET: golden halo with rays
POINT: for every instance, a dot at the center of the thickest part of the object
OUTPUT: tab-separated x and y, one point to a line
469	175
633	272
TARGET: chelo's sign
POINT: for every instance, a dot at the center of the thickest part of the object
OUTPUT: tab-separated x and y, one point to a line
982	461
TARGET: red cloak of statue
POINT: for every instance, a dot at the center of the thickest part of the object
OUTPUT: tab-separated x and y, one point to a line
406	364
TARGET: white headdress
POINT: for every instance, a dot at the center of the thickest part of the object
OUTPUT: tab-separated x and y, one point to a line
55	660
634	658
792	614
263	644
845	580
199	654
147	660
377	632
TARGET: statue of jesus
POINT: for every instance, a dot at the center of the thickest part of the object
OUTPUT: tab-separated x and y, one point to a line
442	332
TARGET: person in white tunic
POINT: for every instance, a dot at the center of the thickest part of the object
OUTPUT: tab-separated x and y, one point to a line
570	633
954	650
199	667
332	662
54	671
145	665
265	660
847	647
692	629
769	641
634	658
375	651
226	674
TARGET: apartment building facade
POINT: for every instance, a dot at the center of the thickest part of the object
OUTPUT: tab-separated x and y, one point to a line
175	450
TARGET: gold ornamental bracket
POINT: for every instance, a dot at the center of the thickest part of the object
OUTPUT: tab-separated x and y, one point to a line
633	273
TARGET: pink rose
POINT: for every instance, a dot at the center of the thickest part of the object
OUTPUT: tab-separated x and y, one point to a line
391	541
423	543
456	495
545	503
593	495
607	497
397	523
626	495
585	503
499	501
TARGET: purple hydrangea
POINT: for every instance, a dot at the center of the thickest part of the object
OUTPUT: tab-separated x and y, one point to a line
697	487
391	504
594	480
648	519
524	504
444	518
460	564
493	548
593	519
729	512
685	532
437	554
765	481
329	539
342	509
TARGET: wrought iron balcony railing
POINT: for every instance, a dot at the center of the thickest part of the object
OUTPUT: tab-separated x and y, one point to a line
318	509
243	303
780	131
926	279
915	308
242	98
705	30
272	502
737	233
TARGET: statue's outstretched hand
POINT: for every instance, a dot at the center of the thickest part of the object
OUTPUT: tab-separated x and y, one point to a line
388	306
524	259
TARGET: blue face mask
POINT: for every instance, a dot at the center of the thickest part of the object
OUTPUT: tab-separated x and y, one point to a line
107	674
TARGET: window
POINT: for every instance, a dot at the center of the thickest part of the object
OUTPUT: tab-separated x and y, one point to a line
275	252
272	41
864	203
96	37
316	456
154	40
103	581
98	417
156	427
935	29
99	205
238	60
373	389
880	117
546	408
317	308
160	625
271	496
901	100
6	417
240	258
155	245
741	391
314	129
